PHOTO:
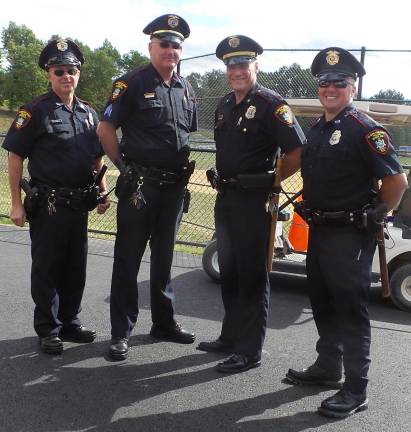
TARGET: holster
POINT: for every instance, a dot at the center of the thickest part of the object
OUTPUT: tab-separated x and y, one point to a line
31	203
255	181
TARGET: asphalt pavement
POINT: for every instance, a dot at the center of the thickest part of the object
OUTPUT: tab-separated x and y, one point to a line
170	387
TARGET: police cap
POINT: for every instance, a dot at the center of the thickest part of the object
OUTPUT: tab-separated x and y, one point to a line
168	27
238	49
61	52
336	63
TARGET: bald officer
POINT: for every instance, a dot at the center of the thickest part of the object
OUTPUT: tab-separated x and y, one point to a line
156	111
57	133
345	155
251	124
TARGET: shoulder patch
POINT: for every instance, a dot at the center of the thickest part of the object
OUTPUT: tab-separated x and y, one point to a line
119	88
22	119
379	141
284	114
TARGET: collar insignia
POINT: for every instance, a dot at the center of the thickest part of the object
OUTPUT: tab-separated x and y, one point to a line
22	119
335	137
284	114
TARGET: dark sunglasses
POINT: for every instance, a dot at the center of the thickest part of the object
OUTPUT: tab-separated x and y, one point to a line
174	45
61	72
341	83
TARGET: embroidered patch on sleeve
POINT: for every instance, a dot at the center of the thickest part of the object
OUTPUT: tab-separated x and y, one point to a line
22	119
284	114
379	141
119	88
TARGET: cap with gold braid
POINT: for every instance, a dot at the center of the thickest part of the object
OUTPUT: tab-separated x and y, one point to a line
238	49
168	27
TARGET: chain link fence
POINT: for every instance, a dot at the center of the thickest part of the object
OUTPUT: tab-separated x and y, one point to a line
285	71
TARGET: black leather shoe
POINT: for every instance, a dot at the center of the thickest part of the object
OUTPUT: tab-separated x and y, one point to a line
118	348
215	346
315	375
343	404
51	345
238	363
174	333
78	334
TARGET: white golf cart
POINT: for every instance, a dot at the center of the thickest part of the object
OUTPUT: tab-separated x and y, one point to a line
398	230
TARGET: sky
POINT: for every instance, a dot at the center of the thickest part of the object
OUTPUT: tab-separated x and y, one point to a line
296	24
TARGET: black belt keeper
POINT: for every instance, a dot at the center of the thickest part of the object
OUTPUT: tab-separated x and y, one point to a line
156	175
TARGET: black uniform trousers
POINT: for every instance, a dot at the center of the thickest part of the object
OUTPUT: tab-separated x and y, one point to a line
156	221
339	263
242	228
58	271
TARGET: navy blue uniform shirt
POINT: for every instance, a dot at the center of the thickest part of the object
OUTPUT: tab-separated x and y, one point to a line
61	145
155	118
248	134
342	157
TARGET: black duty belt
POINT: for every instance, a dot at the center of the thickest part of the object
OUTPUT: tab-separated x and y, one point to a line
343	217
241	181
157	175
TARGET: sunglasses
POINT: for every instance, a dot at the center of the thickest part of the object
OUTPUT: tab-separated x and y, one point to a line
174	45
340	83
61	72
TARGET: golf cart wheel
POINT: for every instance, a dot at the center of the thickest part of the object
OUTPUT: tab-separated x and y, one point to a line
400	283
210	260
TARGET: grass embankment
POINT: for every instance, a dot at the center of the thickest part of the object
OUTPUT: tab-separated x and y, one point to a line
6	118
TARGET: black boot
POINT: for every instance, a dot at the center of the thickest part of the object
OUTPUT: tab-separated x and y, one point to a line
315	375
118	348
343	404
217	345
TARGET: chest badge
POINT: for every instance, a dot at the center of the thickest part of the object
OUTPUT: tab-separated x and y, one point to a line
335	137
220	117
250	113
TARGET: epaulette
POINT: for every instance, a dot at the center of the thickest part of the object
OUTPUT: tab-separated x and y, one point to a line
39	99
363	119
268	95
84	102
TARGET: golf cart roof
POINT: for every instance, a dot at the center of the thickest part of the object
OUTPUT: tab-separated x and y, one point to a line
384	113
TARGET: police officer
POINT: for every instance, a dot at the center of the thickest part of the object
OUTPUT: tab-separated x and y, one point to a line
251	123
156	111
346	152
57	133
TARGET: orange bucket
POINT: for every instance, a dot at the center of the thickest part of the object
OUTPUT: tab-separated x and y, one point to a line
298	234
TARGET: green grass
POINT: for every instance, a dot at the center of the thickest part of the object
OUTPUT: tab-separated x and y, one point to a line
6	119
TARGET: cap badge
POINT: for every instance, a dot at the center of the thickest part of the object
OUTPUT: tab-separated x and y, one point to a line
22	119
250	113
284	114
173	21
335	137
379	141
62	45
119	88
333	57
234	42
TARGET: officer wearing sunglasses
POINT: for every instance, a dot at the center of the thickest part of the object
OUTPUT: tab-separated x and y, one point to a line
57	134
156	111
345	156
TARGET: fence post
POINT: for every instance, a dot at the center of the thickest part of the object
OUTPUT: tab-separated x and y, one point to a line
362	60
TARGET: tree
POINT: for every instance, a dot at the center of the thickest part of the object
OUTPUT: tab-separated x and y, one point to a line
100	67
23	79
132	60
388	96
